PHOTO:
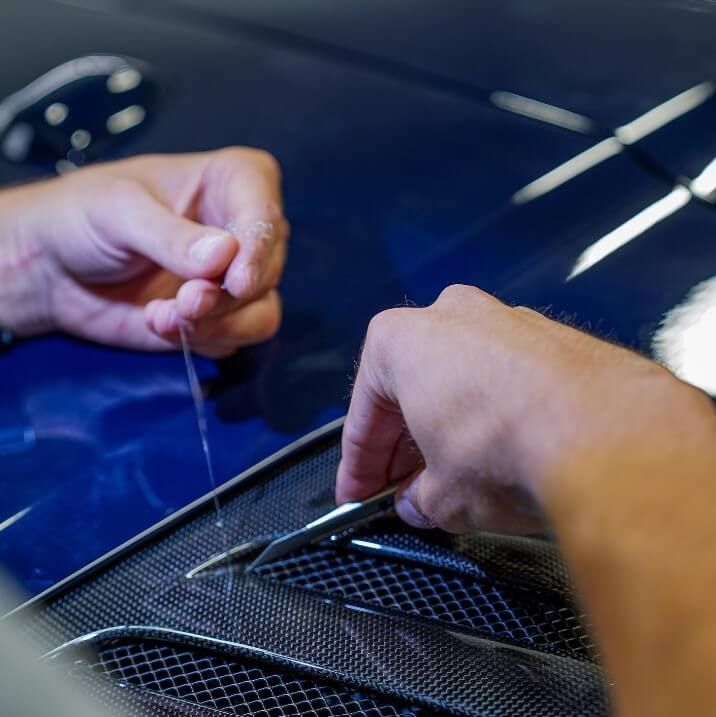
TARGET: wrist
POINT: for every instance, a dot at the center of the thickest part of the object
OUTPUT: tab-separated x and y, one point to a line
25	263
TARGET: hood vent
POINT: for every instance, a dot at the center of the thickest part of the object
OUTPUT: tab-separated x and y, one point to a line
224	685
503	611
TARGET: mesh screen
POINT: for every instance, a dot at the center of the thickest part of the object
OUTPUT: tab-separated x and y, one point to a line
231	687
496	610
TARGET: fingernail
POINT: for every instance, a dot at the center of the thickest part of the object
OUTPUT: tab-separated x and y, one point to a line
244	281
208	248
172	320
407	511
200	304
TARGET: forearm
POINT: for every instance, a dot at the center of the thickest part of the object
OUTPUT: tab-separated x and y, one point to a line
25	292
636	517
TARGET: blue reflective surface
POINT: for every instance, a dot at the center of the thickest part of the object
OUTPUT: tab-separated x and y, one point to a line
394	189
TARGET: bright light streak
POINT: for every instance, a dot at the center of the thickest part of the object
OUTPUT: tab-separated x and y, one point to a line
627	134
631	229
569	170
704	185
686	340
541	111
366	544
14	518
664	113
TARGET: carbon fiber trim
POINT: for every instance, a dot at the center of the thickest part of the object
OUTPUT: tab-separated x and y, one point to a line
499	611
219	684
475	626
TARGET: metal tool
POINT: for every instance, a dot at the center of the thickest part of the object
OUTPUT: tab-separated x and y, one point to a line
348	515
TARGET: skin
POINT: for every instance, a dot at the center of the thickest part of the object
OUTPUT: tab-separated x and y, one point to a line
128	252
497	418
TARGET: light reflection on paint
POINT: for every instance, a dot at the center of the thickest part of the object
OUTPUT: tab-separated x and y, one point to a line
625	135
686	339
14	518
664	113
541	111
704	186
631	229
568	170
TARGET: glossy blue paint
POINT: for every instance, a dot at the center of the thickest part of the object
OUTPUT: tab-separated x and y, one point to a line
394	187
611	60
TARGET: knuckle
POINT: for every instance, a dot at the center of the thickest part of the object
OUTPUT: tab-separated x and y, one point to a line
461	297
269	162
527	311
382	328
461	293
258	156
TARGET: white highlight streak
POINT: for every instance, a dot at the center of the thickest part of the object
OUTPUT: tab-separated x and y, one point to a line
534	109
569	170
631	229
14	518
704	185
664	113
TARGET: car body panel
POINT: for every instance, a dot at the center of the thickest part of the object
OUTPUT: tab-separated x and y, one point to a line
611	61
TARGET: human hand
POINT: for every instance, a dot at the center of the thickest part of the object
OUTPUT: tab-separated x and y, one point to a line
128	252
478	404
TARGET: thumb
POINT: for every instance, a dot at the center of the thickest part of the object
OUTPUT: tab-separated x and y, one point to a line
138	222
407	501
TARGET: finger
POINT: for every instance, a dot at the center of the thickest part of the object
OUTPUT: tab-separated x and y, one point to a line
203	298
456	505
136	222
406	458
162	318
428	501
219	336
242	192
198	298
407	503
373	426
252	324
260	242
116	324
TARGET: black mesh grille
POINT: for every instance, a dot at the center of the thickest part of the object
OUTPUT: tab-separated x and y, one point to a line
230	687
494	610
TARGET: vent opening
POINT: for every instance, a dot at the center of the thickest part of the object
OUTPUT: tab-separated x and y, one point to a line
496	610
230	686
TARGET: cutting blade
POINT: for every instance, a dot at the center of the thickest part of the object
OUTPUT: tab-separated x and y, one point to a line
348	515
